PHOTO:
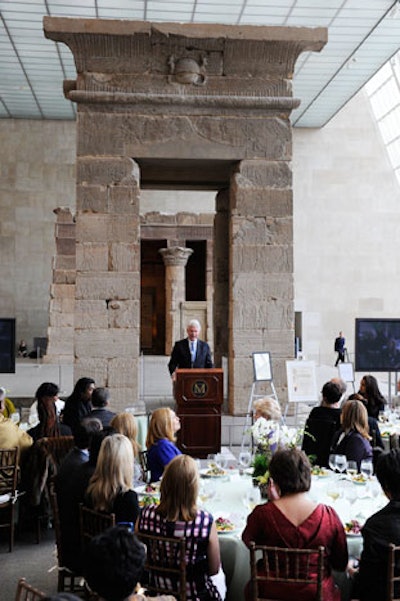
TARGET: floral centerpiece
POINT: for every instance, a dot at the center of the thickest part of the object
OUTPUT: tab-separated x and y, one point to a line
269	435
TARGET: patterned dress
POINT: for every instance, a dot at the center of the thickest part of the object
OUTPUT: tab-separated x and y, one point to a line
199	584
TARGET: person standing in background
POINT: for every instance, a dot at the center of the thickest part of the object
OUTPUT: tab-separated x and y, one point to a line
340	342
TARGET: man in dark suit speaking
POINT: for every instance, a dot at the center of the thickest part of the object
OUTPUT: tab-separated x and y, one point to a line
190	352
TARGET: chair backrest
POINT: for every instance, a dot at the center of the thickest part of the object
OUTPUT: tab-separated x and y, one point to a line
57	447
8	470
144	465
279	566
166	565
26	592
56	522
317	439
393	582
93	523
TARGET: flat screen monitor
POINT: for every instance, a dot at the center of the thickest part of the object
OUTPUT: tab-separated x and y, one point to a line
377	345
7	346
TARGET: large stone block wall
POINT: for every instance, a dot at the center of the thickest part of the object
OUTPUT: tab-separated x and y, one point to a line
261	272
37	166
108	275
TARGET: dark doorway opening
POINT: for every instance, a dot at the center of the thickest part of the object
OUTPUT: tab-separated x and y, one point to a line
196	271
152	313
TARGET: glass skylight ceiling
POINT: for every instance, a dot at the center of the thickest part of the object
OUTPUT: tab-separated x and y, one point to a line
384	93
363	35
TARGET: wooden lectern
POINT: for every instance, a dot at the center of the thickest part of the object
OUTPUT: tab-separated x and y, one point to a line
199	396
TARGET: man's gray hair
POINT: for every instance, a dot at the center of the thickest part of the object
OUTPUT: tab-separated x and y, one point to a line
195	323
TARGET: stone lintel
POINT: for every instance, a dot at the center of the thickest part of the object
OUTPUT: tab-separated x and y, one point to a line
210	50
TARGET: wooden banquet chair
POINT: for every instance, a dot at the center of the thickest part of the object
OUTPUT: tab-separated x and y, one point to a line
93	523
46	456
8	490
280	565
393	582
67	581
165	561
26	592
144	466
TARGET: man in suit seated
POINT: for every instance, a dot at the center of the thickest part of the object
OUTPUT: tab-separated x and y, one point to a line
190	352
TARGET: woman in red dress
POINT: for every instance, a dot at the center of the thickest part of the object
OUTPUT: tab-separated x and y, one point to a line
292	520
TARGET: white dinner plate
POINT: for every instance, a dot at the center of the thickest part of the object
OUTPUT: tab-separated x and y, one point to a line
141	490
204	473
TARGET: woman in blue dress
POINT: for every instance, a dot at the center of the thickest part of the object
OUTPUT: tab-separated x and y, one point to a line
160	441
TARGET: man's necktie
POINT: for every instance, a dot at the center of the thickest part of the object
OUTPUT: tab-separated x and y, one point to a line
192	351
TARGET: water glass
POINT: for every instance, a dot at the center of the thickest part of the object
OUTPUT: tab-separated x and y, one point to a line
221	460
244	458
367	468
341	463
253	498
332	461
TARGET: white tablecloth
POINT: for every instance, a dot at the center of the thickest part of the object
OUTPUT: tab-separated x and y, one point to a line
355	501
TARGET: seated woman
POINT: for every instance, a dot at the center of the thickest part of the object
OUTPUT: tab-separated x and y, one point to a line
373	426
160	441
125	423
113	564
267	417
381	528
322	423
292	520
110	487
374	399
78	405
353	439
46	396
177	513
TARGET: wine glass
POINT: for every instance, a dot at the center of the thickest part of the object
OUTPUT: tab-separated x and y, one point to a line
244	461
352	468
332	462
367	468
253	498
333	491
221	460
211	460
341	463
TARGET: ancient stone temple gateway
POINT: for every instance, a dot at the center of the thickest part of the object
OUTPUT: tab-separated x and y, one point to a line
180	106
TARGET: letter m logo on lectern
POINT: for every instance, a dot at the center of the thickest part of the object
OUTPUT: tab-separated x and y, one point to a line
199	388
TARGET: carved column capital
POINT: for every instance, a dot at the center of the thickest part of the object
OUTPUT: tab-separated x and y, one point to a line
175	255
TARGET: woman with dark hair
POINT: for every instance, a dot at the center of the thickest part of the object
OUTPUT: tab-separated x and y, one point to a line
293	520
177	515
113	564
46	396
374	399
78	405
353	439
382	528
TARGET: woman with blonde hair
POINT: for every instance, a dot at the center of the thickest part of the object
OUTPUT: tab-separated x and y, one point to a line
353	439
110	487
177	515
267	418
125	423
160	441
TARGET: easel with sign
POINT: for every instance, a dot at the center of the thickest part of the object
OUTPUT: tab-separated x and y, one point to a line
302	384
262	371
346	373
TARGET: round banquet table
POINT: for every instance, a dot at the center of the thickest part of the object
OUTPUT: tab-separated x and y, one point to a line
226	497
